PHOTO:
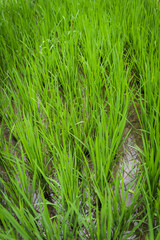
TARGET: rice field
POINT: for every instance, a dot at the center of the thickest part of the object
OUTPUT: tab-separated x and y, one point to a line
80	119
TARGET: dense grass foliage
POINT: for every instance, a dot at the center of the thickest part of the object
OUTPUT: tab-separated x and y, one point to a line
69	73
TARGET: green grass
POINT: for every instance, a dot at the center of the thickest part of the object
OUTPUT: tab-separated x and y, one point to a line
69	73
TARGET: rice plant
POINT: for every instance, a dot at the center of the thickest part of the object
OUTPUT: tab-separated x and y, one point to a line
79	81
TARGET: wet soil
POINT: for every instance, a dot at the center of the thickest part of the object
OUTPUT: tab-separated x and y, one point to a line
129	164
130	160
